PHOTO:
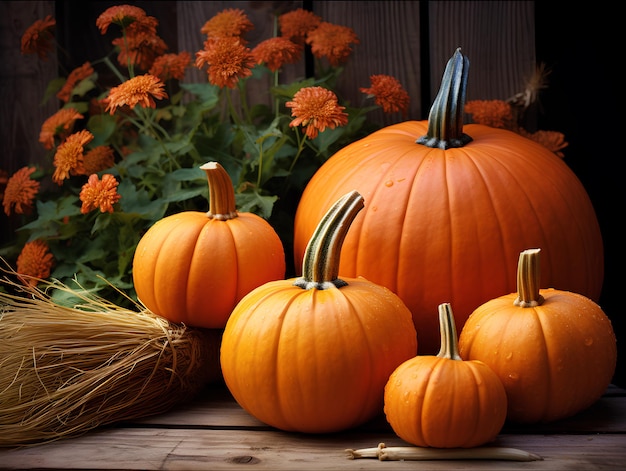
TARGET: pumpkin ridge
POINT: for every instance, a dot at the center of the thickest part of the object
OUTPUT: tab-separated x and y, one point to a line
162	259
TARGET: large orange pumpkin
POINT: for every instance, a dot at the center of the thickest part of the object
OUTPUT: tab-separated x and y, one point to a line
555	351
312	354
194	267
446	217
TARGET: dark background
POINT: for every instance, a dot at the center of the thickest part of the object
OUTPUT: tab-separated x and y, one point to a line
586	101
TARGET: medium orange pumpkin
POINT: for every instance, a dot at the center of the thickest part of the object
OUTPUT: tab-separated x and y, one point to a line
555	351
194	267
313	354
446	217
442	401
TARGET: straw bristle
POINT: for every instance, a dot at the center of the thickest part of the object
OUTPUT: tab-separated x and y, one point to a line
66	370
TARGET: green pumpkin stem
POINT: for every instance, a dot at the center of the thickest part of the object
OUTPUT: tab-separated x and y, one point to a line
222	204
445	121
528	276
449	342
320	266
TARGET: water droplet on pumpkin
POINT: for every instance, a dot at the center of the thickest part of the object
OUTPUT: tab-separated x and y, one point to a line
509	355
588	342
389	183
513	376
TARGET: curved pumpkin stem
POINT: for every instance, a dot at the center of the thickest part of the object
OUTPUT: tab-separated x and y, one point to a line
449	342
320	266
528	275
221	192
445	121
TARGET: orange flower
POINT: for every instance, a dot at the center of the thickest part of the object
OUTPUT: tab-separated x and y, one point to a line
494	113
39	37
140	90
99	194
316	108
388	93
170	66
78	74
140	45
276	52
122	15
20	192
332	41
228	60
296	24
231	22
552	140
98	159
69	156
59	124
34	262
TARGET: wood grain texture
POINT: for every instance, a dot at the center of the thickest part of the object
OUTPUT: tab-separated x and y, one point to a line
498	37
389	36
213	432
23	80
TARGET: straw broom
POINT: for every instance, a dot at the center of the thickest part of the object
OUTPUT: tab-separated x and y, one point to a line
67	370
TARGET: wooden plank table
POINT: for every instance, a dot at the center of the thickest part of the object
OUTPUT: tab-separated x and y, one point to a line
214	433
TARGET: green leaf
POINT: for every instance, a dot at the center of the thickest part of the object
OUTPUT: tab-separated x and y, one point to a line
207	93
52	89
102	126
138	202
255	203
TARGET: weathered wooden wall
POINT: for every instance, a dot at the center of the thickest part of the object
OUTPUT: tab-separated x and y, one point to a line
410	40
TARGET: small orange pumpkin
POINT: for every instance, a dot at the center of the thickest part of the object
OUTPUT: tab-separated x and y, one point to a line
442	401
194	267
555	351
313	354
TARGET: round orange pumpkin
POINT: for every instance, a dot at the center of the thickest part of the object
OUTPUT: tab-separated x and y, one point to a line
446	217
442	401
194	267
555	351
312	354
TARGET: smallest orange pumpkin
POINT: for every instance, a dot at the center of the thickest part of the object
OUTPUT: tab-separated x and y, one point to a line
442	401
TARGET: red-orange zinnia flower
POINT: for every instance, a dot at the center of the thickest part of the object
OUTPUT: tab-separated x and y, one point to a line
296	24
122	15
171	66
68	159
332	41
39	37
20	192
228	61
99	194
554	141
316	108
76	75
494	113
140	46
34	262
97	159
388	94
140	90
276	52
231	22
60	124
